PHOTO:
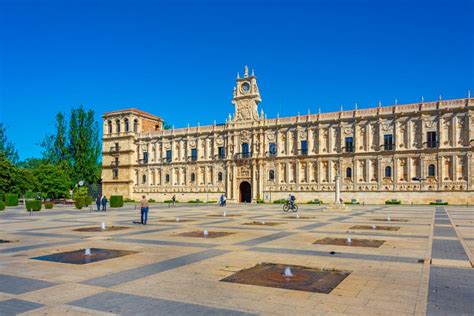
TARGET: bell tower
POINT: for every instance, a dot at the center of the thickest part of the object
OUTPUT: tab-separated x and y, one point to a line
246	98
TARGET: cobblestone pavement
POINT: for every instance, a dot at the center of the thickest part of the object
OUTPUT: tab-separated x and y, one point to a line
425	267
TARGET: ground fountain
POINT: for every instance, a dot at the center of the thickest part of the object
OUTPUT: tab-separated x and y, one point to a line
287	273
103	226
205	233
87	252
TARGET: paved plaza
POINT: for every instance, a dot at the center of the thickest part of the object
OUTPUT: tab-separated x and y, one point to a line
424	267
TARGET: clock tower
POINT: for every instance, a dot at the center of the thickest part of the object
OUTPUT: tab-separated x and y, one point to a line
246	98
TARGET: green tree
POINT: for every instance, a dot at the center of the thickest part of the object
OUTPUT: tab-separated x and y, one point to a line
24	181
7	147
56	149
53	182
7	174
84	146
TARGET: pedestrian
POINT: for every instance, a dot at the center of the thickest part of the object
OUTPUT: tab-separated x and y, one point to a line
97	202
144	210
104	203
173	199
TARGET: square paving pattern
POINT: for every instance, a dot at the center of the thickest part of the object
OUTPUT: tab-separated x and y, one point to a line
171	268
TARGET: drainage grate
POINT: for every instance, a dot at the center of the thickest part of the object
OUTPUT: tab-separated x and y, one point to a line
373	243
304	278
79	257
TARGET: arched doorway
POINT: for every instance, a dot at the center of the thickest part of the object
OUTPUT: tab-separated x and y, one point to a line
245	192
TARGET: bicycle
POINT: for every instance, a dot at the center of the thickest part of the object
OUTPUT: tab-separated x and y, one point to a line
290	207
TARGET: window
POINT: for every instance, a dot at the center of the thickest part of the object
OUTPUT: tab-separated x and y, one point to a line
431	170
219	176
127	126
388	172
388	142
349	173
272	149
117	126
221	152
168	155
304	147
167	178
349	144
271	175
431	140
245	150
145	157
144	179
114	173
193	177
109	123
194	155
135	126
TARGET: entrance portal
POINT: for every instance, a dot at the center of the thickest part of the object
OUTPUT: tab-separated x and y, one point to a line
245	192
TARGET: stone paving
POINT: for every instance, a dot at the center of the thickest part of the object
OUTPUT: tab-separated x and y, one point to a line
423	268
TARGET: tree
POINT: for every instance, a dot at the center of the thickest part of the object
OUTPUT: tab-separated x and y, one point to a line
166	125
53	182
56	149
7	147
24	181
7	174
84	146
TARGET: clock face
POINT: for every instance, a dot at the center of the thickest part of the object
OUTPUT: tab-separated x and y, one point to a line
245	87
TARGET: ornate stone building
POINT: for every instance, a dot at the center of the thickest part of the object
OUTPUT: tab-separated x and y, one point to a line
418	153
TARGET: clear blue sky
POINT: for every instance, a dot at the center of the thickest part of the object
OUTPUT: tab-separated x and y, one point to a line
179	59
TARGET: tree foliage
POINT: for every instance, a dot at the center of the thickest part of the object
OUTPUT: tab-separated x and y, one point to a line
53	182
6	147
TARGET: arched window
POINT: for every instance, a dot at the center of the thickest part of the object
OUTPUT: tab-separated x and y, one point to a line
135	125
167	178
109	123
127	126
219	176
388	172
193	177
144	179
349	173
117	126
271	175
431	170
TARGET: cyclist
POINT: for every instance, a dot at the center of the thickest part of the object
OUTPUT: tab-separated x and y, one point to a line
291	200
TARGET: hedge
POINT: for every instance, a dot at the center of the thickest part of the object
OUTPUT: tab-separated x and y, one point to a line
260	201
280	201
33	205
439	203
151	201
196	201
2	205
116	201
11	199
79	202
393	202
2	196
170	201
315	202
88	200
127	200
48	205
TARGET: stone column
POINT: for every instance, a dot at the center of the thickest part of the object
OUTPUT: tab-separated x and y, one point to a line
337	196
355	173
454	167
287	171
287	144
330	139
454	130
310	140
409	162
379	173
469	170
440	171
297	173
409	134
368	133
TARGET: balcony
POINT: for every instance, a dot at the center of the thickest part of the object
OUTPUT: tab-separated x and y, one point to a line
431	144
142	161
302	152
245	155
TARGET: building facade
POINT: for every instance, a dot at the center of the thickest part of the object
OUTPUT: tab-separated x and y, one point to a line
418	153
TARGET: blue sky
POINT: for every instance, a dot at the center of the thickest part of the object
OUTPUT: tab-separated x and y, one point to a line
179	59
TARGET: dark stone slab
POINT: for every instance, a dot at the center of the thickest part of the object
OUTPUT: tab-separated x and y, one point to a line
79	257
451	291
448	249
127	304
45	245
312	226
444	231
15	307
117	278
18	285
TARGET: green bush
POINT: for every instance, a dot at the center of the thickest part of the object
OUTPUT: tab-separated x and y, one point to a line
33	205
151	201
212	201
30	195
2	196
127	200
88	200
439	203
2	205
196	201
316	201
79	202
351	203
48	205
280	201
11	199
393	202
116	201
260	201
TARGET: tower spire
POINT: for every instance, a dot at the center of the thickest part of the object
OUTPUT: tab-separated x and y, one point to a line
246	71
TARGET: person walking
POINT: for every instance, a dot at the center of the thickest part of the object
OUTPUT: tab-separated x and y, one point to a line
174	200
97	202
104	203
144	210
